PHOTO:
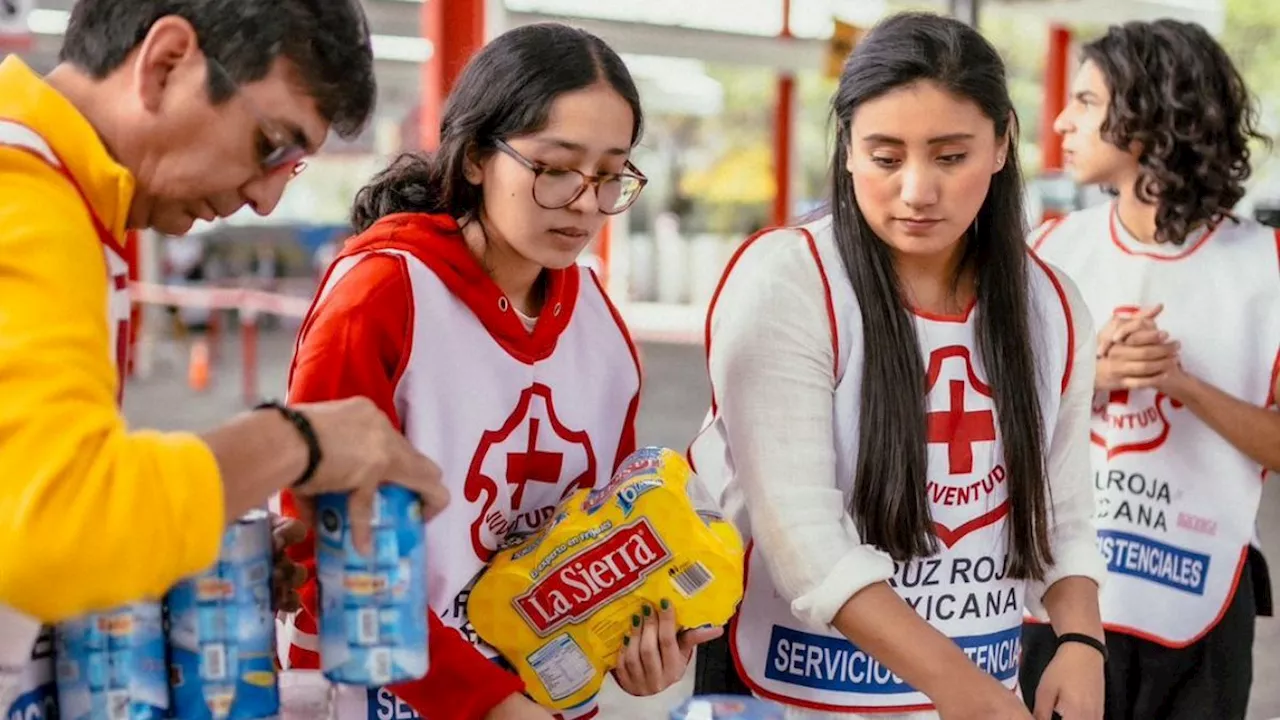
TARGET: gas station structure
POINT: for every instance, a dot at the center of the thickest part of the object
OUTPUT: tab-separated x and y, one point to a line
421	46
456	28
789	37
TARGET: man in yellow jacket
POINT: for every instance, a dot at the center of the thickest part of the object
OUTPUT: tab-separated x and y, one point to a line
161	112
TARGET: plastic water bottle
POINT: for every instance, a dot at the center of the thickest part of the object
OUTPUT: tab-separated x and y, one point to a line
222	631
111	666
373	609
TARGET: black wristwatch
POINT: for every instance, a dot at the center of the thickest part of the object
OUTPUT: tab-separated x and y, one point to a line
1083	639
308	433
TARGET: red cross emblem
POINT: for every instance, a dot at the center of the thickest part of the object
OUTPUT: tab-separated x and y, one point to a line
965	504
1132	421
960	429
522	470
957	427
532	465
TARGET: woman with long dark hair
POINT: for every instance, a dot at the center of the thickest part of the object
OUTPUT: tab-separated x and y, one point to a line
901	403
460	309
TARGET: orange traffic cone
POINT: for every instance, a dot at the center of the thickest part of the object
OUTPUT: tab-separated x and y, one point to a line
198	367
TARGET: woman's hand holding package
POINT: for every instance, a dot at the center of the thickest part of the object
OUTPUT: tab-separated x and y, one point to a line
655	656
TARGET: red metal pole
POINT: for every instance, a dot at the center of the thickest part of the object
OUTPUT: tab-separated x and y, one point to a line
1055	96
249	361
214	333
783	128
455	29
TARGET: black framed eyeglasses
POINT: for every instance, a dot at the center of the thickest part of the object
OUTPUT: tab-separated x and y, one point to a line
555	188
279	148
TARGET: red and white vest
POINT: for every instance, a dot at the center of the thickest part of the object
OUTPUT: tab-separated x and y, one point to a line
514	428
1176	502
963	591
26	649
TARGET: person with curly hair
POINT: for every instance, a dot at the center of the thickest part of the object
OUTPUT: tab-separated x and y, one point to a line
1184	426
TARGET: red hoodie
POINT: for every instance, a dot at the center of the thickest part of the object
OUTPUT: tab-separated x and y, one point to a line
353	343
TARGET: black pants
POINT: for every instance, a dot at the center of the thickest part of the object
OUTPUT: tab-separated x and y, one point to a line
1146	681
1261	583
714	671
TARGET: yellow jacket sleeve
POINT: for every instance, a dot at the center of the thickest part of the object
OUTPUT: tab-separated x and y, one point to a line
91	514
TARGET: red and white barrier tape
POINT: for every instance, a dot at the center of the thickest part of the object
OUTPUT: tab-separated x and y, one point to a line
242	299
648	322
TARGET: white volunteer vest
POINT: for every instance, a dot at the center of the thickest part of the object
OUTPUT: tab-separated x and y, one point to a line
26	650
546	427
1176	503
963	591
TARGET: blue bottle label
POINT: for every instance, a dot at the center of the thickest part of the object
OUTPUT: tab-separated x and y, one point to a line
111	666
222	632
373	609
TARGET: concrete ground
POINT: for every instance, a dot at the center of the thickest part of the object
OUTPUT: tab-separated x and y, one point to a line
674	401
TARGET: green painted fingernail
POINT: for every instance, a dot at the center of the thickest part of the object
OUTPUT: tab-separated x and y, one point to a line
626	639
665	603
635	621
647	611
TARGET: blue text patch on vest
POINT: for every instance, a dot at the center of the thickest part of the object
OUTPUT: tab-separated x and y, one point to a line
831	663
385	706
38	704
1140	557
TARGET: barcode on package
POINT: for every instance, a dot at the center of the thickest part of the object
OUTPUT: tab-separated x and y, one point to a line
213	662
117	705
380	665
691	580
367	632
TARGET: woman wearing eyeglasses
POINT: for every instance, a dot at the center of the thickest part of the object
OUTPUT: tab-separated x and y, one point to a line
460	310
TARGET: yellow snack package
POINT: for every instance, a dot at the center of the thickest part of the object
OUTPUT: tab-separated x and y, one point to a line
558	603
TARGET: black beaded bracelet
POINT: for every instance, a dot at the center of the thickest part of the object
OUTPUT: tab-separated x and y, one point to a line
308	433
1083	639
